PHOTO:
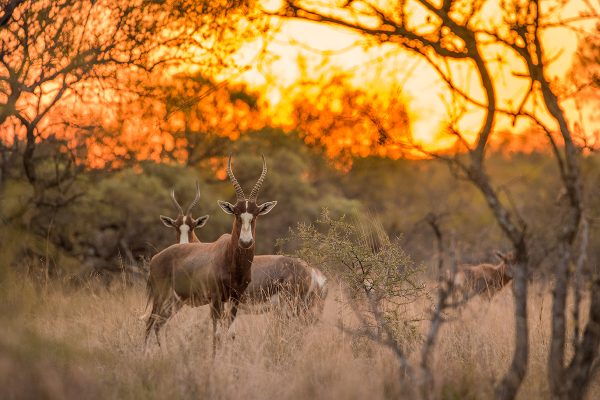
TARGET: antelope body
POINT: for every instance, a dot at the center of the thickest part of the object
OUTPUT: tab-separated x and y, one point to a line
207	273
276	281
286	281
484	279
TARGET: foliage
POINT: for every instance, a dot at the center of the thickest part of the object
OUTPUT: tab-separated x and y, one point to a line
380	278
348	121
58	58
123	205
583	84
117	210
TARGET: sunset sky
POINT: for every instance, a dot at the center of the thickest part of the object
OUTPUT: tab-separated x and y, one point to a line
384	66
294	52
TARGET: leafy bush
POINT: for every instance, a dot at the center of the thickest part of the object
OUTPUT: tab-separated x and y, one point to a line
379	277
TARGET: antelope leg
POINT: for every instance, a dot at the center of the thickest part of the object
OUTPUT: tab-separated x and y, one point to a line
216	312
235	302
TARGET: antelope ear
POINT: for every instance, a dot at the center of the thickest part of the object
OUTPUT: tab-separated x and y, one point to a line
266	207
169	222
200	222
225	206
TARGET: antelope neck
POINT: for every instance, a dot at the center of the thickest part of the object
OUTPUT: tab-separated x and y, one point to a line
241	257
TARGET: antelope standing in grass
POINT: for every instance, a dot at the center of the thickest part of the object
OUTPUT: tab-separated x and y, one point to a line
286	283
208	273
486	279
276	281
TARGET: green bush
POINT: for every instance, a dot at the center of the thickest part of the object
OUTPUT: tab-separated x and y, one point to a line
380	279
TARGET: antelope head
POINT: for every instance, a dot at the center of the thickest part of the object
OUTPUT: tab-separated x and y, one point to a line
246	209
506	264
184	223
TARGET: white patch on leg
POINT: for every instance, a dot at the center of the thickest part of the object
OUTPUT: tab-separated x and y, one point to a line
313	283
275	300
184	230
317	285
317	278
459	279
246	231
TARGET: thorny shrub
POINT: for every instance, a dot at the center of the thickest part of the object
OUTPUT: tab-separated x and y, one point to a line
379	279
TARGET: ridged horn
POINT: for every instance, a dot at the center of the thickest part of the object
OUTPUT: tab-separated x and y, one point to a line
238	189
259	183
196	199
175	203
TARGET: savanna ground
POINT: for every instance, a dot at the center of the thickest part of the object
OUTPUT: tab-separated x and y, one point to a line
89	344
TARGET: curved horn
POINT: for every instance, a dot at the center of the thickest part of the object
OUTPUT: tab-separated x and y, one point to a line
196	199
175	203
238	189
256	187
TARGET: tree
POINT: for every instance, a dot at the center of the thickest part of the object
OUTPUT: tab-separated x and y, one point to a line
585	78
203	116
65	66
455	32
69	52
348	121
186	118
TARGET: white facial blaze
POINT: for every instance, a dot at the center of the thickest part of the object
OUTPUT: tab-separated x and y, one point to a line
246	231
184	230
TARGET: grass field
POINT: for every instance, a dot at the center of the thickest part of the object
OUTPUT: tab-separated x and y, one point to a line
58	344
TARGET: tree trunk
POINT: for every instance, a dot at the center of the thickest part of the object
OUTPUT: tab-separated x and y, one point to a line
556	359
510	383
581	371
28	163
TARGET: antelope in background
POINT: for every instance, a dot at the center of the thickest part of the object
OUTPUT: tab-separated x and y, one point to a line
276	281
486	279
208	273
184	223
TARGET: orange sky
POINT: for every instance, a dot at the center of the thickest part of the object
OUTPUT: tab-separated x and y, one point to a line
387	65
296	50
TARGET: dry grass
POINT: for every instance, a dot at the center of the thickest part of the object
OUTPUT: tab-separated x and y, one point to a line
88	344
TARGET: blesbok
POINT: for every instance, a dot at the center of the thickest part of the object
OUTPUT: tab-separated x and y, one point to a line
484	279
208	273
285	283
184	224
276	281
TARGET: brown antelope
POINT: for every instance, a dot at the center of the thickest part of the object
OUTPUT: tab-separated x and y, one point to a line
184	223
208	273
486	279
286	283
275	279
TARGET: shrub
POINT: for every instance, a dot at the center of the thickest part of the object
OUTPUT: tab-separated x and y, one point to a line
379	277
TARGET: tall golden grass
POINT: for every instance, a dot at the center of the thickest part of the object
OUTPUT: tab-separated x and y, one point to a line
58	344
